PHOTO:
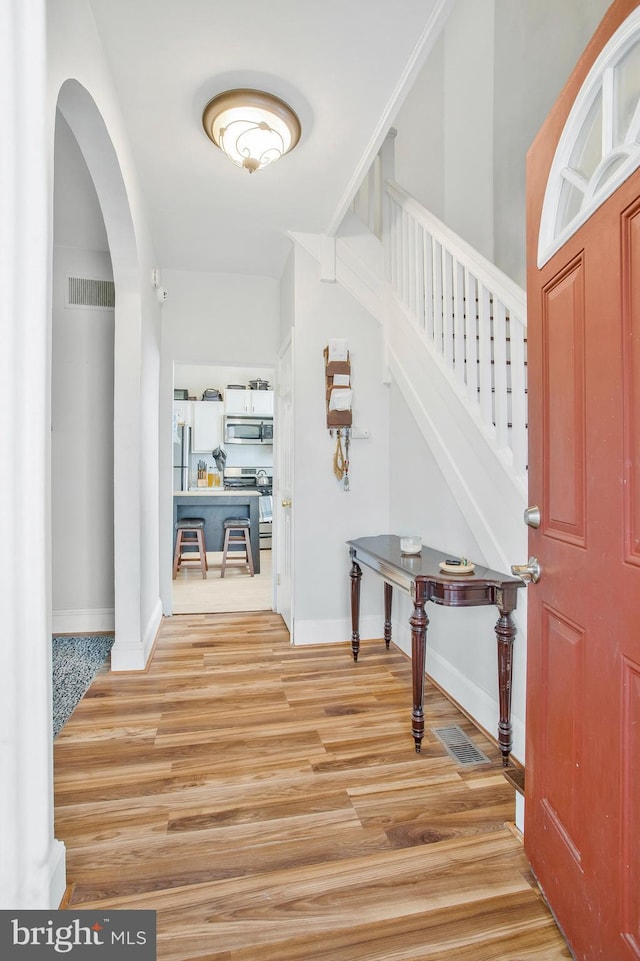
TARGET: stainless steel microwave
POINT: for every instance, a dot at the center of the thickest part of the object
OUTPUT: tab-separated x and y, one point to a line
248	430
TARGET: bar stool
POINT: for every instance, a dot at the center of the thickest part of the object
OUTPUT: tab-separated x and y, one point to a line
236	531
190	532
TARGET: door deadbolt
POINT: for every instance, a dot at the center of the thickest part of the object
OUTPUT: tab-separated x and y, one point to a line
532	516
529	572
285	503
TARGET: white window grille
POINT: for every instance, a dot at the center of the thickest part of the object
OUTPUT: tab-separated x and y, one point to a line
600	144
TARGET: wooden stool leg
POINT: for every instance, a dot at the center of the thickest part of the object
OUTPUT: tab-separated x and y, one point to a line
225	548
176	554
202	552
247	541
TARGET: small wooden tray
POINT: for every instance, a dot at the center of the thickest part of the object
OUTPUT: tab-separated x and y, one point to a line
456	568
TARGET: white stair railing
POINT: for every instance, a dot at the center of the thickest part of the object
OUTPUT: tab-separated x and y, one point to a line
471	316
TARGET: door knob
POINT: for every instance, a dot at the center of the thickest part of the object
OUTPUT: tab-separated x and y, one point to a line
529	572
285	503
532	516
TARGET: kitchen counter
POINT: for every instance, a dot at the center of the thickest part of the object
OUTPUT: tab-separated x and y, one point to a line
215	492
217	505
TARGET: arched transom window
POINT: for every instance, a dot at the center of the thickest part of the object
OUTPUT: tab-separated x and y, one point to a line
600	144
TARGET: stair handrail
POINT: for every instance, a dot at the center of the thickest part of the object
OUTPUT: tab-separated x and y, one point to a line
511	294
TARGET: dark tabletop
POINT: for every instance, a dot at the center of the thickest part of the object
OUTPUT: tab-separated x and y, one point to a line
385	548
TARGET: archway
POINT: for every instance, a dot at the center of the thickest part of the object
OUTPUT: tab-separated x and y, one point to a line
88	127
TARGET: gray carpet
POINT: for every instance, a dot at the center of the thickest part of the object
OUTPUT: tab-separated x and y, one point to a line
75	662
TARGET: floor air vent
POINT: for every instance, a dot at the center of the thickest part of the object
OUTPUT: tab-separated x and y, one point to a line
458	745
83	292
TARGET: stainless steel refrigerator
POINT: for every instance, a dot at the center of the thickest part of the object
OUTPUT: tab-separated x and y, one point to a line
181	452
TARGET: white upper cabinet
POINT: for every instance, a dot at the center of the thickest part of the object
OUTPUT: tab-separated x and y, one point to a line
206	428
183	412
261	402
257	403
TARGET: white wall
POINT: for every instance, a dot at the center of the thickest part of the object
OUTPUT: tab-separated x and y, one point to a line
287	300
419	143
77	218
82	406
468	133
81	452
476	106
221	319
325	516
537	44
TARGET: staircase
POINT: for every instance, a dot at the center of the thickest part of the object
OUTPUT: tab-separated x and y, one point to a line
455	343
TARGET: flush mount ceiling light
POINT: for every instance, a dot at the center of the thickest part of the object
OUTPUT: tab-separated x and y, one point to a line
251	127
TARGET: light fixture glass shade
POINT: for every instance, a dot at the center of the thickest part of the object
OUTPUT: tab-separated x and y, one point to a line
251	127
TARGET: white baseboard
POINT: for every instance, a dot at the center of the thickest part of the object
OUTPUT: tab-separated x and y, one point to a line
520	802
151	632
57	874
133	655
83	622
334	631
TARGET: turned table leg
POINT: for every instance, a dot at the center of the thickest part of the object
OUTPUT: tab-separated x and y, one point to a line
419	621
356	577
388	598
505	634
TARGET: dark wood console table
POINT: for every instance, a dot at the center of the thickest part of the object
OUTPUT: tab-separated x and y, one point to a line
420	576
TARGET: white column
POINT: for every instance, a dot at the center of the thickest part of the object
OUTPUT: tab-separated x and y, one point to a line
32	862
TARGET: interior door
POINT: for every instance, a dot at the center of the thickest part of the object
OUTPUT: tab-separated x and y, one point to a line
582	810
283	494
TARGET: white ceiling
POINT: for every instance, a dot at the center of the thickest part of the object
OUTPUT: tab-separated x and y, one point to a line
343	65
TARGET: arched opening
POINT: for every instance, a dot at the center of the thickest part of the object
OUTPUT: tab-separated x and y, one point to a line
82	590
84	121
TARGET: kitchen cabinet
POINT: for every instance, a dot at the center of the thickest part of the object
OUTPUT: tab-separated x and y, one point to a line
256	403
183	412
206	427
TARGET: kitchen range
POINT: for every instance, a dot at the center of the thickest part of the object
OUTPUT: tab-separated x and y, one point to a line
260	480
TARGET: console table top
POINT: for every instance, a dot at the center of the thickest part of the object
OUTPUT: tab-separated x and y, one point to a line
383	553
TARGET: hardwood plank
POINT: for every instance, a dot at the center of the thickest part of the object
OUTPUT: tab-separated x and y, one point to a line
268	803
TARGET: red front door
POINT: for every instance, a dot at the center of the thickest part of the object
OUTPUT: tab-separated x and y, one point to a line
582	815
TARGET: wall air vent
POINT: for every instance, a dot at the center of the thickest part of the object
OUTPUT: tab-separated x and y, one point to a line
94	294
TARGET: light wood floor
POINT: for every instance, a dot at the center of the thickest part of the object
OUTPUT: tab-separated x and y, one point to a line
236	591
267	802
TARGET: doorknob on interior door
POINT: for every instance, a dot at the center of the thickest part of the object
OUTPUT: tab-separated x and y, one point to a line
529	572
286	502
